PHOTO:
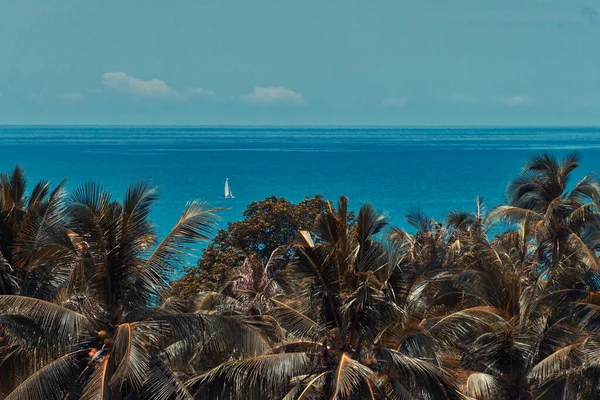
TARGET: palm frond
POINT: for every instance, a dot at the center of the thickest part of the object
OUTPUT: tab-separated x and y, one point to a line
13	189
420	221
163	384
294	321
138	231
420	377
194	225
306	346
210	334
60	323
586	255
301	391
8	280
457	327
254	378
514	214
480	386
587	188
43	244
133	343
51	382
556	363
349	375
97	386
38	193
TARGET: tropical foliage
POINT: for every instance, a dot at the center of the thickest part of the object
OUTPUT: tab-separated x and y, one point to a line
483	305
267	225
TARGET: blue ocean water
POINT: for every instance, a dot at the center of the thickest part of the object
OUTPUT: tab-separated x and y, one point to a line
396	169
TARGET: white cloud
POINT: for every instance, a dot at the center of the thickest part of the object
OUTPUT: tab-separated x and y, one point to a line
273	95
518	100
394	102
153	88
200	92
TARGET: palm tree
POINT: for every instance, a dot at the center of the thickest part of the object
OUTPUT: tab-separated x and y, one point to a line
338	343
254	284
564	222
516	335
446	312
98	333
33	238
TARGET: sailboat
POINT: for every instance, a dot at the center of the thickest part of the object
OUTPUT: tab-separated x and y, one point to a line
228	192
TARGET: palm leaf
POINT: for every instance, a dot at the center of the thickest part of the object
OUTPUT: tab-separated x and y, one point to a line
348	377
296	346
8	281
259	377
96	218
587	255
194	225
514	214
294	321
13	189
209	334
459	326
555	364
163	384
133	343
50	382
420	377
137	230
480	386
136	208
97	386
58	322
38	193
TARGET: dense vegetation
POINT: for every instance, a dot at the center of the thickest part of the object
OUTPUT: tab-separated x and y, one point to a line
267	225
498	305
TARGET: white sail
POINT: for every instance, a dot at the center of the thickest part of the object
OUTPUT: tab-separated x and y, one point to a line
228	193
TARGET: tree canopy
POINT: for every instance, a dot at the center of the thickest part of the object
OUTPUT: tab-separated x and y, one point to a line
267	225
482	305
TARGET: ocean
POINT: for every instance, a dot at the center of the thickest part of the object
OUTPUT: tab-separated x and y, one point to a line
395	169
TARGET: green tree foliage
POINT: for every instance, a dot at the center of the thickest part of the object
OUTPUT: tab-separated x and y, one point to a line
334	307
267	225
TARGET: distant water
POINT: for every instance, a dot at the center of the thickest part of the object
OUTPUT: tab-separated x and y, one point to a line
396	169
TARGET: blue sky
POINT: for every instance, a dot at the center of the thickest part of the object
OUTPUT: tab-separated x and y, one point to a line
343	62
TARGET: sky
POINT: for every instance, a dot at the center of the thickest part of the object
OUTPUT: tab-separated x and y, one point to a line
300	62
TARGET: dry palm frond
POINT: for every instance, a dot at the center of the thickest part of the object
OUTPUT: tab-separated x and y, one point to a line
254	378
131	352
480	386
349	375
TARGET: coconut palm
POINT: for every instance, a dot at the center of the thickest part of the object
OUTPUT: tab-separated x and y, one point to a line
446	312
254	284
98	336
564	222
33	238
337	344
516	337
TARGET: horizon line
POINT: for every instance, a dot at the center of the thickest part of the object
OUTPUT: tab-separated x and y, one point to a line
351	126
